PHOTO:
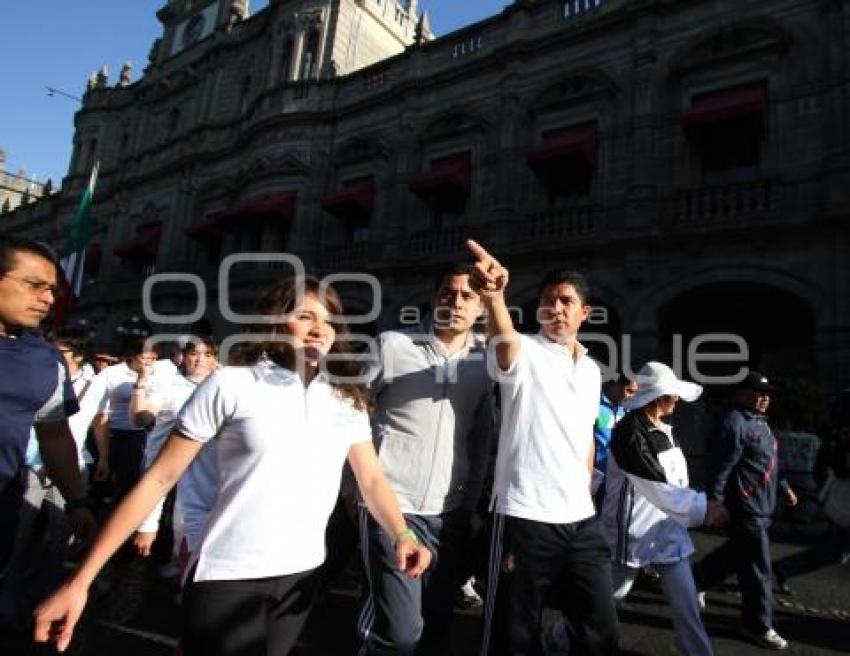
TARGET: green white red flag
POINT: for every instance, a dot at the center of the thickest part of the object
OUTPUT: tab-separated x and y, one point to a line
74	256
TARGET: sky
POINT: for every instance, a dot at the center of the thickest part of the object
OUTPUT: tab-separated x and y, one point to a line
59	43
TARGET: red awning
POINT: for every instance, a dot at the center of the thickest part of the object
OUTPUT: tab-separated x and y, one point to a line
145	243
356	200
452	174
279	205
726	104
562	144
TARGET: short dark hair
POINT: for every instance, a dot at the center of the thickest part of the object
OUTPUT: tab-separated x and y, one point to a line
77	345
448	271
196	340
11	246
133	346
565	276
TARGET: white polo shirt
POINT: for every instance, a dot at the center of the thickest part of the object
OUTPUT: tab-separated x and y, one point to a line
549	405
281	448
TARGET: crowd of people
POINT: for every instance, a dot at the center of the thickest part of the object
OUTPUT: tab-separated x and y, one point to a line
452	455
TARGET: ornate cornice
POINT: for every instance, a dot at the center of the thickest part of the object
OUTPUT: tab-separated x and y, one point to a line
741	38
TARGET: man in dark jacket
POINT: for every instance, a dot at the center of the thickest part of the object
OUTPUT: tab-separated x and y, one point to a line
746	483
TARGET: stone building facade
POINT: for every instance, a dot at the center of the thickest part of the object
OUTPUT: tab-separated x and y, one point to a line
690	157
17	189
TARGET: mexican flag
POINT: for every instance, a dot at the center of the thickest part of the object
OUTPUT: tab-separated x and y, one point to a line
74	256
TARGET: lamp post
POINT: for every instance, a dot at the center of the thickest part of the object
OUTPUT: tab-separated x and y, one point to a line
52	91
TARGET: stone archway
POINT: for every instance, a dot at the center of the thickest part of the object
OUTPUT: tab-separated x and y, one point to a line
743	282
777	326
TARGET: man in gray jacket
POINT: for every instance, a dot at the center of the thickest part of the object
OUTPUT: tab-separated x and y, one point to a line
433	428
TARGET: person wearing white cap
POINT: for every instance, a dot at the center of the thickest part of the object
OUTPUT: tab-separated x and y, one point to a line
649	507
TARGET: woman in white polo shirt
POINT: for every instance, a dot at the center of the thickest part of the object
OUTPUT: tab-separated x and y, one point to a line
284	426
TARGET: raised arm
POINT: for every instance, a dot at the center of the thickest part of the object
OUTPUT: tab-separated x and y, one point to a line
489	279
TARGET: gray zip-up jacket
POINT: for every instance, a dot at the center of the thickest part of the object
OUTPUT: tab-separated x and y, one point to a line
433	425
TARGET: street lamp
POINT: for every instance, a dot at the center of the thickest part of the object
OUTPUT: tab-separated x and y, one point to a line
51	91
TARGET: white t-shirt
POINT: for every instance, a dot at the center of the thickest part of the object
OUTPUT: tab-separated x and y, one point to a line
112	388
281	448
549	405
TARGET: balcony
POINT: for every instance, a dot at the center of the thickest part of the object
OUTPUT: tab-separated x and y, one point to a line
575	8
469	46
554	228
434	243
727	204
289	98
351	256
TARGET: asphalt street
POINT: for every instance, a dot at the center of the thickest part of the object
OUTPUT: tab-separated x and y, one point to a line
137	615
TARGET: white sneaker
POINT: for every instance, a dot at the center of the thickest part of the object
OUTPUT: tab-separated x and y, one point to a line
468	596
701	600
770	639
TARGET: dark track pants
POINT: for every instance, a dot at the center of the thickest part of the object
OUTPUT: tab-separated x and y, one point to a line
250	617
747	553
126	452
528	560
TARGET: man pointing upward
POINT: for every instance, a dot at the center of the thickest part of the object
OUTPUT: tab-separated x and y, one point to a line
545	530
